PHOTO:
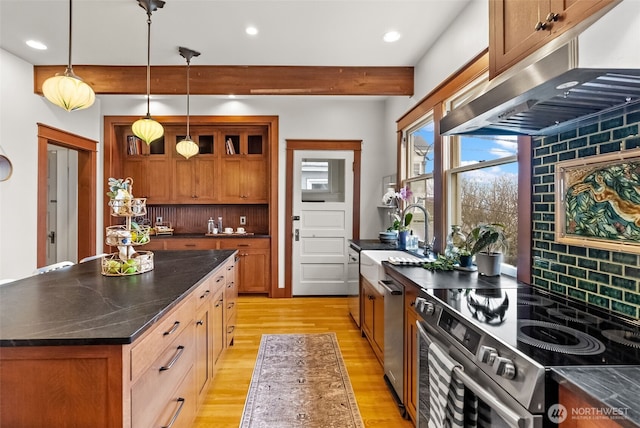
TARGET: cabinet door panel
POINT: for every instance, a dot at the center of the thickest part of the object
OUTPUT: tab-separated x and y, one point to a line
183	181
206	180
254	268
254	181
231	180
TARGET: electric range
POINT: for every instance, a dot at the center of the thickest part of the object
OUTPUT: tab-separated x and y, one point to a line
509	336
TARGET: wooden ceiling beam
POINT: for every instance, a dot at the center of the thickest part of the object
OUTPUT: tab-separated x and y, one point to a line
239	80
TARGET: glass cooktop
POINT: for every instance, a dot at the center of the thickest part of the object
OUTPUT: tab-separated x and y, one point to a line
550	329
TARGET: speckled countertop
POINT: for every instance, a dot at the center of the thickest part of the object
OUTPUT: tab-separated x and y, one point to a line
79	306
614	391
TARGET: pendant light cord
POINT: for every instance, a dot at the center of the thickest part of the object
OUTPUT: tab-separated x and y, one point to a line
148	61
188	69
69	64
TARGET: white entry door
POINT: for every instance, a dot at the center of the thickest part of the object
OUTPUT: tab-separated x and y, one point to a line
323	221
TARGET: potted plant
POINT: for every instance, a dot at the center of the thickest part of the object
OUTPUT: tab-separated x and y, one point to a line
487	241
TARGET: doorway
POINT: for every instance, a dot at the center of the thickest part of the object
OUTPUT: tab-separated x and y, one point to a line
62	204
87	161
323	186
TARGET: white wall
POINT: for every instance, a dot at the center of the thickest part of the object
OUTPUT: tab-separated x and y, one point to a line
370	119
20	111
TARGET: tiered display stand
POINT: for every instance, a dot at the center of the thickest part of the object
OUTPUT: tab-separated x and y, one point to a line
126	237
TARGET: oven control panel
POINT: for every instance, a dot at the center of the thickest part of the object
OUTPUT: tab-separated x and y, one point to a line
502	366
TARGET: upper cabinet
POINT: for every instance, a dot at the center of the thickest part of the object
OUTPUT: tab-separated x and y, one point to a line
232	165
194	179
244	166
517	28
147	165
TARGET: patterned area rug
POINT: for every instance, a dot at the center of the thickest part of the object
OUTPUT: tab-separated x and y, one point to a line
300	380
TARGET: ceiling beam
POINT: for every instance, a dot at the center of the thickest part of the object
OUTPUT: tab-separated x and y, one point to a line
239	80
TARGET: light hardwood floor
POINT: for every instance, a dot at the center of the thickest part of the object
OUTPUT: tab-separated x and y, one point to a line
224	403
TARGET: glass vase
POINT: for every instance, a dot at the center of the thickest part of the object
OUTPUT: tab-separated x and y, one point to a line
455	241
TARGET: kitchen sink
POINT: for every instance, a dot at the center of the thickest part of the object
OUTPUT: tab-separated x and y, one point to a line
371	262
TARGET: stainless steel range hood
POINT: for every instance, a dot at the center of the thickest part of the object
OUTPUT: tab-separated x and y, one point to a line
557	92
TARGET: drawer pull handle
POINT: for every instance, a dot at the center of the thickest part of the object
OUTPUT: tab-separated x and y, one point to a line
230	267
177	413
243	245
220	278
230	329
189	245
175	358
205	294
173	329
230	306
219	303
230	285
200	322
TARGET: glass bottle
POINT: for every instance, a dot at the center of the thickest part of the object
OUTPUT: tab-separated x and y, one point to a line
211	225
455	241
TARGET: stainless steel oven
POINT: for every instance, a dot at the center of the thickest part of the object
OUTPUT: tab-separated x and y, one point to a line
484	403
500	342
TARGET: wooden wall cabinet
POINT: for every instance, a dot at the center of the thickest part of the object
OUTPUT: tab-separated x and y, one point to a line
147	165
372	302
518	28
195	179
244	166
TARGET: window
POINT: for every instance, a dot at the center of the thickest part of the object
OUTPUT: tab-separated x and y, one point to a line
484	187
420	144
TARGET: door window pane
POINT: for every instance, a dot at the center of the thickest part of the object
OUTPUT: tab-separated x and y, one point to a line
323	180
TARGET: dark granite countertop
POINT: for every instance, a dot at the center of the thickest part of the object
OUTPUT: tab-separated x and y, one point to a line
371	244
79	306
216	236
425	278
612	390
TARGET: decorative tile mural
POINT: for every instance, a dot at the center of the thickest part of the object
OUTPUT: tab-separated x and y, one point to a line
605	277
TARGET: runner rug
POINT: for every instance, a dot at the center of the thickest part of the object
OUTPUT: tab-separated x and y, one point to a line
300	380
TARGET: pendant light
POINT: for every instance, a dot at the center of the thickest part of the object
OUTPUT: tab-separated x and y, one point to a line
68	90
146	128
187	147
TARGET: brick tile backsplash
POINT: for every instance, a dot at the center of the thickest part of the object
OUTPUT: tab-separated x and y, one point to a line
607	279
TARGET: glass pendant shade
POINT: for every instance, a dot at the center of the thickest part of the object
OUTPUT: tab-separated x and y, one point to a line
68	90
187	148
147	129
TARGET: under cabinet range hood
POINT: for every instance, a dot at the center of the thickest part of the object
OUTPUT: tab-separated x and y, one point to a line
575	85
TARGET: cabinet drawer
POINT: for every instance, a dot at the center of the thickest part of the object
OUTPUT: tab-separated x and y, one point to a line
150	393
237	243
204	292
190	244
180	408
156	341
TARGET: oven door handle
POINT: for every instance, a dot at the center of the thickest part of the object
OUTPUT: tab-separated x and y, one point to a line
508	414
505	412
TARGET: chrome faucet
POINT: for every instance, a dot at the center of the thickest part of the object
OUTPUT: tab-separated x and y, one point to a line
427	245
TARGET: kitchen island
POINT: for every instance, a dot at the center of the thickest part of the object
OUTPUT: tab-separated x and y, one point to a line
82	349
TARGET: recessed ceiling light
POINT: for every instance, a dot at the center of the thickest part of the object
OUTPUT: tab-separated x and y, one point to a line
36	45
391	36
252	31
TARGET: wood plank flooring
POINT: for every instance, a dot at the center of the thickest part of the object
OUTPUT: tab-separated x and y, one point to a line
224	403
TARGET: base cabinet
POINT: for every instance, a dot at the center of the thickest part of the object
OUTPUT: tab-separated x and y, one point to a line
157	381
372	303
573	402
253	265
410	353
